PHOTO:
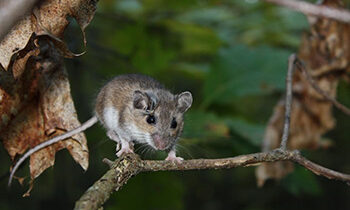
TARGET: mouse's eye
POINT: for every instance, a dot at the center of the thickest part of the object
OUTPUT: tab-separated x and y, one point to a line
151	119
173	124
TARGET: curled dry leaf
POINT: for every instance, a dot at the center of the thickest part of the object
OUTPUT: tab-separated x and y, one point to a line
15	41
35	100
59	112
326	53
41	107
50	19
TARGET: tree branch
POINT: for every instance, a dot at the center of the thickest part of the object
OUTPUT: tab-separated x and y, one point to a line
129	165
288	102
301	66
121	171
341	15
320	170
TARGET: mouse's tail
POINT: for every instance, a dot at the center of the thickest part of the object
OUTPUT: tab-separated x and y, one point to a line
38	147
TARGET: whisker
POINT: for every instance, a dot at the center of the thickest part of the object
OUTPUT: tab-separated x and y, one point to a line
145	151
149	152
141	148
184	149
202	150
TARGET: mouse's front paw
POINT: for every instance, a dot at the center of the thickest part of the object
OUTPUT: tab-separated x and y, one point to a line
124	151
174	159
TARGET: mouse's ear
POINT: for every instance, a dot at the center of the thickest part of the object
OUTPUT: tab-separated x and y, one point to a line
144	101
184	101
140	100
153	102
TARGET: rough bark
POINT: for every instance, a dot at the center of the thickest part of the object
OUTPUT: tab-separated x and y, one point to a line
130	165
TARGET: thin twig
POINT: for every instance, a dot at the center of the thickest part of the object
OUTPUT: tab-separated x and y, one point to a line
288	102
342	15
130	165
223	163
302	67
108	162
320	170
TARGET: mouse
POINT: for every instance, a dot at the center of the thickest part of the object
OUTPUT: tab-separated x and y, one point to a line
133	108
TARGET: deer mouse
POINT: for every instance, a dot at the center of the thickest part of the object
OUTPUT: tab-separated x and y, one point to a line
133	108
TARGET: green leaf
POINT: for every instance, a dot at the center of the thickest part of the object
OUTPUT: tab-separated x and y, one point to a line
128	6
240	71
302	181
249	131
209	15
195	39
204	125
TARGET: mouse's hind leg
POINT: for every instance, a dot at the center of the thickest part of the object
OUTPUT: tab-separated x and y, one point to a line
125	147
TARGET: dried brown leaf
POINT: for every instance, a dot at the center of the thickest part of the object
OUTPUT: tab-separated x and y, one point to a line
326	52
59	112
15	41
48	109
50	18
22	57
35	100
84	13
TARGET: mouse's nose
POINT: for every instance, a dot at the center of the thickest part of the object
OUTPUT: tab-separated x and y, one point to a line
159	142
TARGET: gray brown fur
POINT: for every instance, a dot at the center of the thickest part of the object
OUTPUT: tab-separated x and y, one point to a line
120	94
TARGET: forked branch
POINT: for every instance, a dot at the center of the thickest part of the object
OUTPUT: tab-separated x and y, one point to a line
130	165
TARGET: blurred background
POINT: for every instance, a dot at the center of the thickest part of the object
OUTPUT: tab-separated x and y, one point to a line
232	55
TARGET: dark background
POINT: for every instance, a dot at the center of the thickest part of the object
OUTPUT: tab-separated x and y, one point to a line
232	55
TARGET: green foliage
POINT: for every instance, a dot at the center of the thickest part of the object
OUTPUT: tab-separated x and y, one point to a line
239	71
204	125
232	55
251	132
194	39
157	192
302	182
